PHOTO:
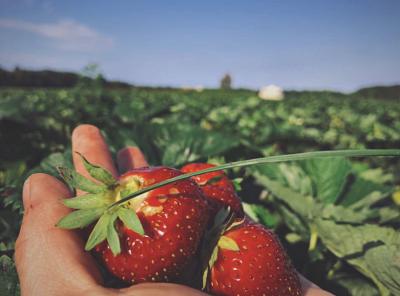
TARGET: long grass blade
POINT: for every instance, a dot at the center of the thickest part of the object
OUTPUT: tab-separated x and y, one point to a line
268	159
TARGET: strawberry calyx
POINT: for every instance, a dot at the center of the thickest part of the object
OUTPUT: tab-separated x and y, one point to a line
215	239
96	204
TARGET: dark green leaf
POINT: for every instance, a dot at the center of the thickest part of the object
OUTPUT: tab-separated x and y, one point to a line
356	285
185	143
372	249
359	189
50	164
329	176
9	285
304	206
260	214
80	218
221	216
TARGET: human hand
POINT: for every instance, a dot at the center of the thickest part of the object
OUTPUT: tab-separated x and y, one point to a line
52	261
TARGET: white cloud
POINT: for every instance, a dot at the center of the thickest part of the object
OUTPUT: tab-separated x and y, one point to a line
67	34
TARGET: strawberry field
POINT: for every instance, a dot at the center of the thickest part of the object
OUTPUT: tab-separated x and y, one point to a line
338	218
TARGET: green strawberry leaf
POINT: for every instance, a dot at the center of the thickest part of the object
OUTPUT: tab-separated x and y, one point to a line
76	180
354	284
97	172
209	247
99	232
227	243
112	236
130	219
359	189
205	278
329	176
213	258
211	262
80	218
372	249
221	217
89	201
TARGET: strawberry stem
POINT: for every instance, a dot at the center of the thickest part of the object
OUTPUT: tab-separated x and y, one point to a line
268	159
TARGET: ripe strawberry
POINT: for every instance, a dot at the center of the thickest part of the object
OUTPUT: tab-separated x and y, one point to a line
249	260
152	237
217	187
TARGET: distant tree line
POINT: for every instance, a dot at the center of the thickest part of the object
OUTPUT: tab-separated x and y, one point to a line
380	92
57	79
47	78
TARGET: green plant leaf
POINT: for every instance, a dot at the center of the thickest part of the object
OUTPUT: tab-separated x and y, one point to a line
355	285
211	262
205	278
99	232
185	143
130	220
329	176
76	180
293	237
80	218
221	216
112	236
227	243
237	183
304	206
372	249
213	258
50	164
259	213
89	201
359	189
8	277
97	172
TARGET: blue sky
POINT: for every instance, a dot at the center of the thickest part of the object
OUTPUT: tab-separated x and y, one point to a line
341	44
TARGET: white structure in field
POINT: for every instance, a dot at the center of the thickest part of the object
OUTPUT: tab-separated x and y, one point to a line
271	92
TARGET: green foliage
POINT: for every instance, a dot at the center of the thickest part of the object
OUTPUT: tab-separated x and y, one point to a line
343	212
356	232
8	277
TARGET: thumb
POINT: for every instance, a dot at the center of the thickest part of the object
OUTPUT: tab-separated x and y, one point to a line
43	251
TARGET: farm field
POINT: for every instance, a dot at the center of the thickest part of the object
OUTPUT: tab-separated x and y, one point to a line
338	218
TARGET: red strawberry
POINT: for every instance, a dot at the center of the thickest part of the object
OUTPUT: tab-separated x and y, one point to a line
217	187
159	241
251	261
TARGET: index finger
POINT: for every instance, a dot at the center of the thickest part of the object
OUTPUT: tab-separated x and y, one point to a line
88	141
